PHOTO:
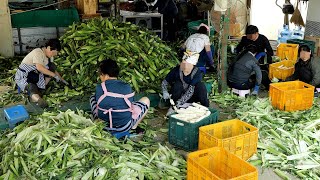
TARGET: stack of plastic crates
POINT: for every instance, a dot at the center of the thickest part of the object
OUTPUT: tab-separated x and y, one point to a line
288	51
223	150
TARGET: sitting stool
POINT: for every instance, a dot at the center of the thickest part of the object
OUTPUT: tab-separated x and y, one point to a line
15	114
119	135
241	93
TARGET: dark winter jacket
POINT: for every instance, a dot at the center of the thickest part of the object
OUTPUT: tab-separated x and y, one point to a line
307	71
262	44
243	68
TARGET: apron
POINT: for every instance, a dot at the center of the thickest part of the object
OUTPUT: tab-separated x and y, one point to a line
117	95
22	78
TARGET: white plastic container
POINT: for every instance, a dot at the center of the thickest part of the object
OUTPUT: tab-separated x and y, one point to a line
297	33
284	34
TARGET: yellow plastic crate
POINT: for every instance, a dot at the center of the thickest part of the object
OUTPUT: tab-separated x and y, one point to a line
217	163
281	70
288	51
291	96
236	136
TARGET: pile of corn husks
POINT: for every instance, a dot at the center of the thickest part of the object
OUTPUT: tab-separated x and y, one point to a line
67	145
8	67
288	141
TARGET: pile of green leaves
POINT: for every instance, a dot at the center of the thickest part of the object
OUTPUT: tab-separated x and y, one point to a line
144	59
69	145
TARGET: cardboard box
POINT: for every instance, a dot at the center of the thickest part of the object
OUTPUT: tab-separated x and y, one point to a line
315	39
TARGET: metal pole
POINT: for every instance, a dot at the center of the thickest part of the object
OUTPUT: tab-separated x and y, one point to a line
20	40
222	51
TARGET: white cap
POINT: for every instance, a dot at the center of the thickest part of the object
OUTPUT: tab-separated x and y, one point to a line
191	57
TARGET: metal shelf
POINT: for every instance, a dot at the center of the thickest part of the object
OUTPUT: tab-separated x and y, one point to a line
143	15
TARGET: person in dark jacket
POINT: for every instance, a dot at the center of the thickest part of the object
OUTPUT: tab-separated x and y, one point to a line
307	69
260	41
169	10
186	83
245	72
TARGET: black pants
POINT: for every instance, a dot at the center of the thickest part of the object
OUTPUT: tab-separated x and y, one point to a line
169	28
200	93
265	79
251	82
52	68
242	86
33	89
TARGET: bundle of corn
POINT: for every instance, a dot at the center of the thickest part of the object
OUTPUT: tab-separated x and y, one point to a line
67	145
288	141
143	58
8	67
192	113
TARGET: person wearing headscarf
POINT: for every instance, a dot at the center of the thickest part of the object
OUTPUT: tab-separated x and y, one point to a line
185	81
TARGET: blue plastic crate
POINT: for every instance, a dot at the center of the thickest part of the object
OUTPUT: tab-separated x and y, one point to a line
15	114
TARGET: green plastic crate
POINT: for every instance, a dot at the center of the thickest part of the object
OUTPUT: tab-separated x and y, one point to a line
185	135
3	125
311	44
208	86
153	97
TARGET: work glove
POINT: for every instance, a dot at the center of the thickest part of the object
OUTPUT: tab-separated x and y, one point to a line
57	78
255	90
259	55
67	84
165	95
184	106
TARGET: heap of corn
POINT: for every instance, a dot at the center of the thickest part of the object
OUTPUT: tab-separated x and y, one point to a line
193	113
142	56
67	145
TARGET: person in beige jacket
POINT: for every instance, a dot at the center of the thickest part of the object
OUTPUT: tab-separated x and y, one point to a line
36	70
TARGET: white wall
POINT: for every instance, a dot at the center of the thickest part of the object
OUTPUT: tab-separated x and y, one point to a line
313	19
314	11
268	17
